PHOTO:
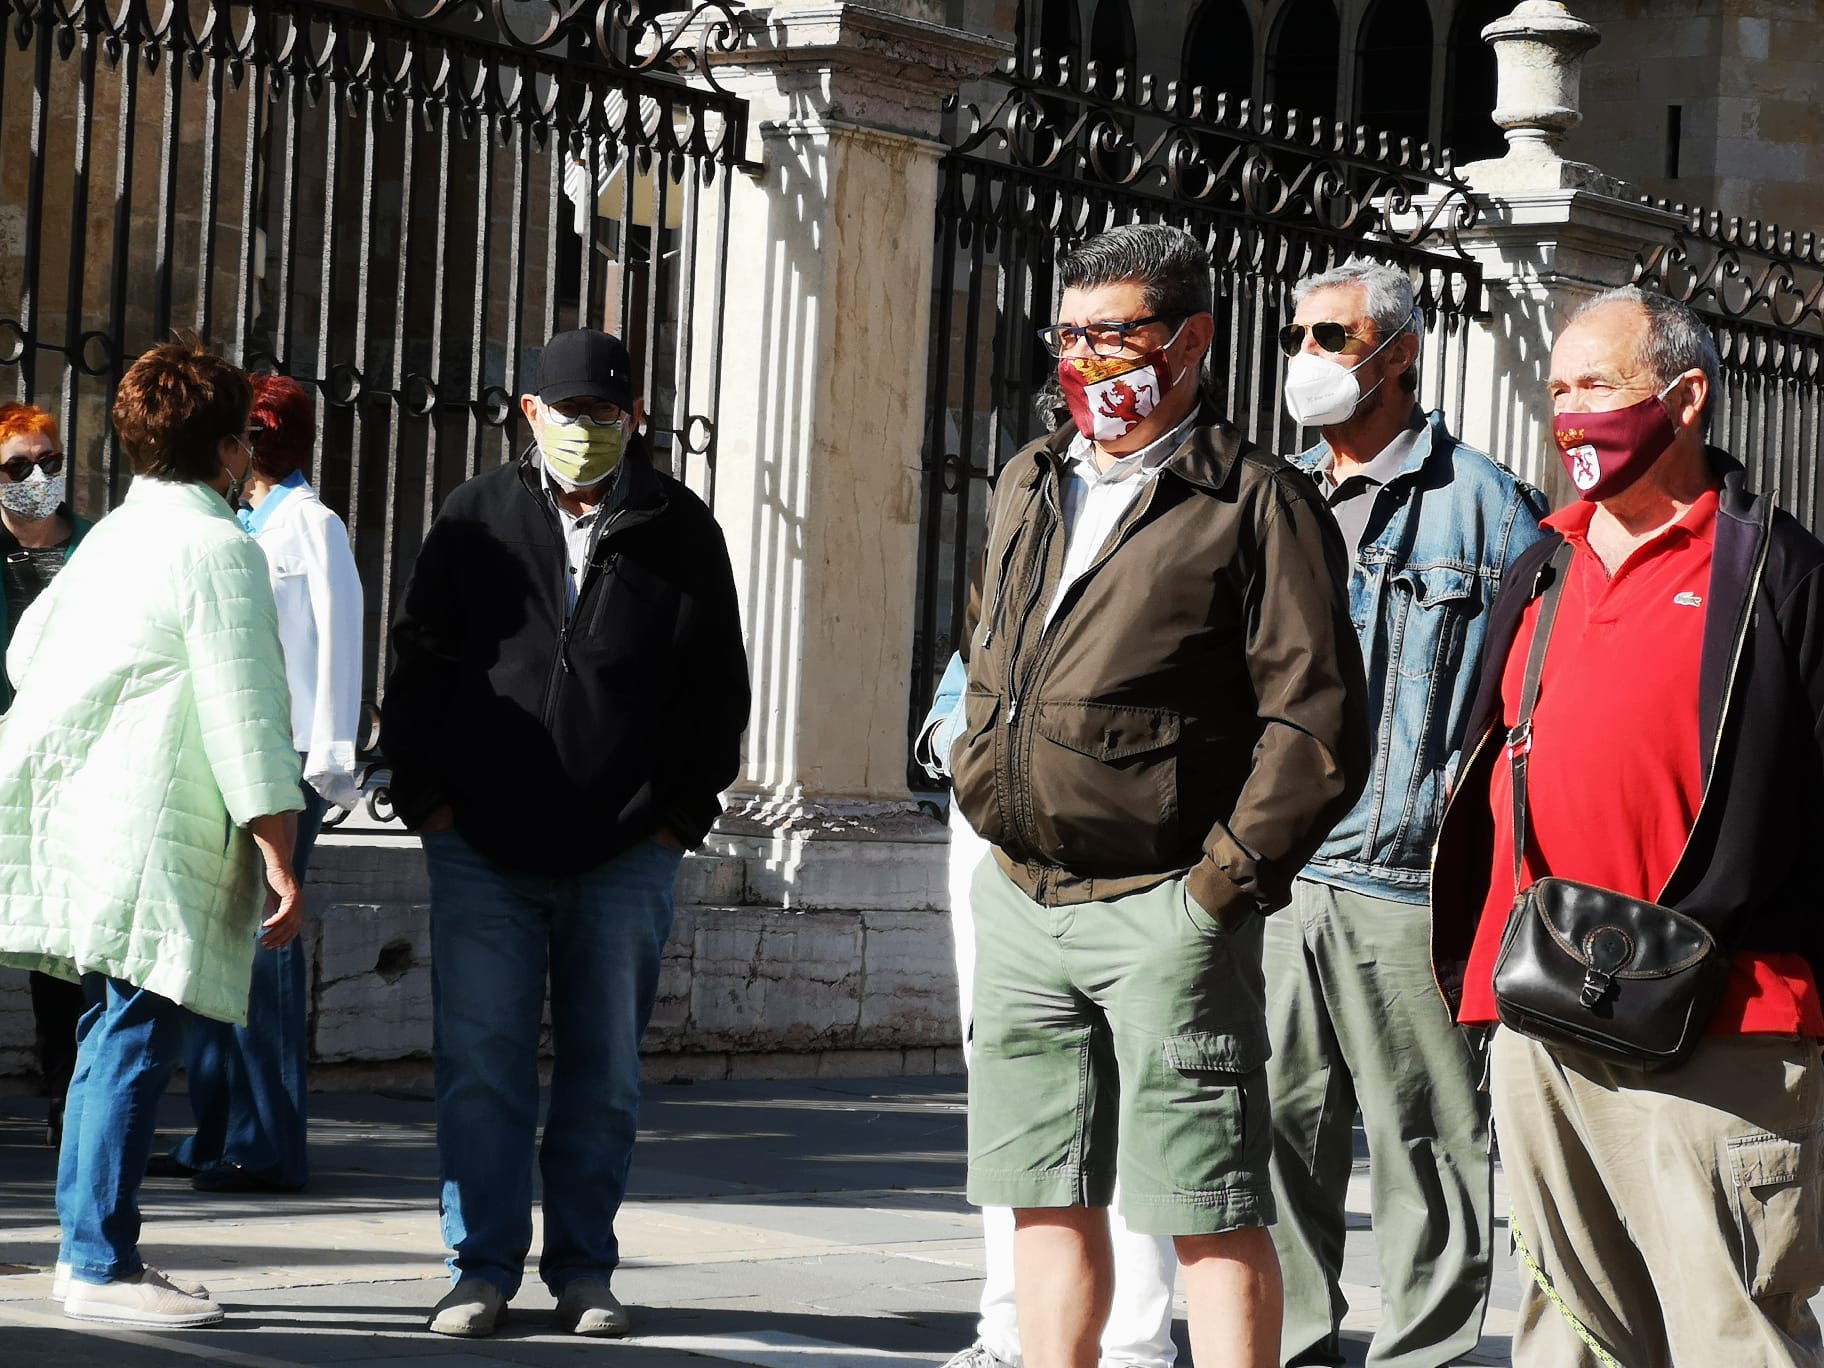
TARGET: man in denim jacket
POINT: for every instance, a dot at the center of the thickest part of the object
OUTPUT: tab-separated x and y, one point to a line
1355	1019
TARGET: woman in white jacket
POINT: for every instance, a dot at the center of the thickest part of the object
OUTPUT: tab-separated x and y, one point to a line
247	1084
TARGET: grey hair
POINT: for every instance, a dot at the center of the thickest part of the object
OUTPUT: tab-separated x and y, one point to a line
1677	340
1387	291
1168	264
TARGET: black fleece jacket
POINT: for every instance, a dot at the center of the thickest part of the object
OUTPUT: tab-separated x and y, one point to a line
561	740
1751	871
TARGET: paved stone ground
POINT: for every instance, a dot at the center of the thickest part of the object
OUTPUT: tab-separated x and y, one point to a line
786	1225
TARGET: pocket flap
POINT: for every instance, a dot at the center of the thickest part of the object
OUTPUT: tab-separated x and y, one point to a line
1438	584
1238	1052
1766	1160
1107	731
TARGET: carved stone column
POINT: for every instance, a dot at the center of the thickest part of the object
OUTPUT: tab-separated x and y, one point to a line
826	330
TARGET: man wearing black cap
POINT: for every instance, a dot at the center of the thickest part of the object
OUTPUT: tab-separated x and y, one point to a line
566	701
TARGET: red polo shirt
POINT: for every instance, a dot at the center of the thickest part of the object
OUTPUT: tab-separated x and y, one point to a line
1616	771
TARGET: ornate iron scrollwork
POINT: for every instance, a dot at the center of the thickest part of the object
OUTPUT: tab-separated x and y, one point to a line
1091	140
1739	269
625	34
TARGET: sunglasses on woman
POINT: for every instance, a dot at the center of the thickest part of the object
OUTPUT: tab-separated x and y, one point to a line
19	469
1332	337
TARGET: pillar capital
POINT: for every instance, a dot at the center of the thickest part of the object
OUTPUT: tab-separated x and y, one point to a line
832	62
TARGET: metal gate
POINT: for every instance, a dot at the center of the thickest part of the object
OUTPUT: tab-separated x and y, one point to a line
396	204
1761	291
1046	156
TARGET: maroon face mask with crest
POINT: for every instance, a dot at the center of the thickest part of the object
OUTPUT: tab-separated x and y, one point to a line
1604	453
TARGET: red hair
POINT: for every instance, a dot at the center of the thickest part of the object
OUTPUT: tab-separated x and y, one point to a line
284	420
25	420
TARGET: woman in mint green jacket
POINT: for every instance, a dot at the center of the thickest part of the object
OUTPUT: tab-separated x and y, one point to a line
146	780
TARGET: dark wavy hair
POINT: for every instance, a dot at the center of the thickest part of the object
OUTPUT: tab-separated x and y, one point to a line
282	425
173	408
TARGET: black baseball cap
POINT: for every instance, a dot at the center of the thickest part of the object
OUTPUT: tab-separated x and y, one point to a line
586	364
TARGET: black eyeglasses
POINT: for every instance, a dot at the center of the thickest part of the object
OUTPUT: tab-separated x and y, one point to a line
1332	337
1105	339
19	468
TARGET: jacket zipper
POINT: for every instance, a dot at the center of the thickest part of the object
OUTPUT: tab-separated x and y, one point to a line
1020	744
560	664
1722	712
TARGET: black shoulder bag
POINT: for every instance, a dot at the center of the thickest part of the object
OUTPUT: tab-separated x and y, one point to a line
1631	981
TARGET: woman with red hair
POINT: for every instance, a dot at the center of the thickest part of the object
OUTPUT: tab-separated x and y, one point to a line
247	1083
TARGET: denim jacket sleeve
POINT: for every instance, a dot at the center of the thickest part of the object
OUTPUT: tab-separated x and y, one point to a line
937	733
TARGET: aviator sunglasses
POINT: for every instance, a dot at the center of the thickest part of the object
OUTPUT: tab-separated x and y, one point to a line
1332	337
19	469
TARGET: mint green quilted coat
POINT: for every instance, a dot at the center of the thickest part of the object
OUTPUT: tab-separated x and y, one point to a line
152	723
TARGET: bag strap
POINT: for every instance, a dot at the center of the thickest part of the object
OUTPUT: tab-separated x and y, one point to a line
1520	739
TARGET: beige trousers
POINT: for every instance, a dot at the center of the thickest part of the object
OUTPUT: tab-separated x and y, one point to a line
1677	1213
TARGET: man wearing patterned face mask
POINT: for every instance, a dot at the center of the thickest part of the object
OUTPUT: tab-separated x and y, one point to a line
37	534
1163	715
568	692
1431	527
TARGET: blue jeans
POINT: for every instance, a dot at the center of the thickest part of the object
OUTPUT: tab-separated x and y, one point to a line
494	936
128	1042
248	1083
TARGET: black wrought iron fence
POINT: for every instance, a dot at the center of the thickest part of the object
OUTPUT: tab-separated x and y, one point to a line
1761	290
396	204
1046	156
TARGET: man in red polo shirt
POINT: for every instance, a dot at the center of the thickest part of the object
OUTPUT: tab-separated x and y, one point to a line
1677	756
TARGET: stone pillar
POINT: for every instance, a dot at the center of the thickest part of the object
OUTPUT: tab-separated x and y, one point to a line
822	406
1551	233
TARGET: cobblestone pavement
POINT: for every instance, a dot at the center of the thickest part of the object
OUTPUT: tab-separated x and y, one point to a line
789	1225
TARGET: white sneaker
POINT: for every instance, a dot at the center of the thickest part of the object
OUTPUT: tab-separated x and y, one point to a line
60	1283
470	1309
977	1355
147	1300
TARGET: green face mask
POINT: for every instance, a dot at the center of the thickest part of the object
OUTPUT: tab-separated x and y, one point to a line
579	452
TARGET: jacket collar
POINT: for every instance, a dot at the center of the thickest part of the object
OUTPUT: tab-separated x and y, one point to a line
1204	458
1433	437
189	494
637	486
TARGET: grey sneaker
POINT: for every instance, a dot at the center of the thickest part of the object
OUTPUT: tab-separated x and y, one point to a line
471	1309
61	1281
979	1355
146	1300
587	1307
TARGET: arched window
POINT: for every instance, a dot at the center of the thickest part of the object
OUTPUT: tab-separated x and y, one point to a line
1050	27
1302	58
1219	49
1469	91
1393	81
1111	44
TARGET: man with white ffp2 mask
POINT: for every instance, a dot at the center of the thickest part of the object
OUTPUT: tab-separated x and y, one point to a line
1430	527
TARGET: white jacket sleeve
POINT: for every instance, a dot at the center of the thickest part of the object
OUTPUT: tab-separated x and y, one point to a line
335	603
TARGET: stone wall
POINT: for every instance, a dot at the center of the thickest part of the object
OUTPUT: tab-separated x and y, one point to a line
793	955
1744	76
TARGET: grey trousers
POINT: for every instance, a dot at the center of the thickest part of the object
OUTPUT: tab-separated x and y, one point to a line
1356	1022
1678	1215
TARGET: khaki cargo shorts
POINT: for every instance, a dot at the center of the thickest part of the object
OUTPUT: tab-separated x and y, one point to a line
1126	1038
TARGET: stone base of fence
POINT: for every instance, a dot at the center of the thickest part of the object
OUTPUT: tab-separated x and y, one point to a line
797	953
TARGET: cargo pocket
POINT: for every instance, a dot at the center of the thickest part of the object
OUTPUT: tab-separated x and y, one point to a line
1214	1117
1105	787
1777	1212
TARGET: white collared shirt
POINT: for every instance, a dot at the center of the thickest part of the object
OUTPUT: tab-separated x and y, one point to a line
1094	500
579	537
